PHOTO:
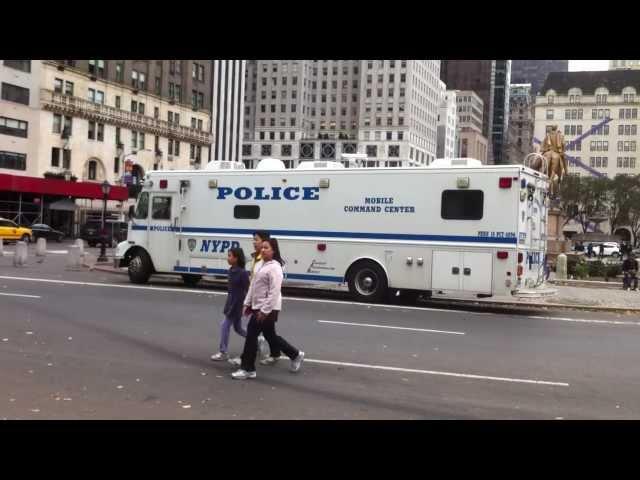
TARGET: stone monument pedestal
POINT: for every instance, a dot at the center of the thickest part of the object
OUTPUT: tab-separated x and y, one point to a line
556	244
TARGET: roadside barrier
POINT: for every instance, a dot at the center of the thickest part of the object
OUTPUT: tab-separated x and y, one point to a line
21	255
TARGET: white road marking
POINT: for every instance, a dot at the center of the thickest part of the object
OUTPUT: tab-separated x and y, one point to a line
392	327
585	320
435	372
19	295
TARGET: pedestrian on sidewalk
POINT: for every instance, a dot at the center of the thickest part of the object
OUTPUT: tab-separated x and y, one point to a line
264	302
238	285
601	254
630	272
259	237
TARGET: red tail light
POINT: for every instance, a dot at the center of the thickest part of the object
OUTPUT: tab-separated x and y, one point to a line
322	247
163	184
503	255
520	257
520	270
505	182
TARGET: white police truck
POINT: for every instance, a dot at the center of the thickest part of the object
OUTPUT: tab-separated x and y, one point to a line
454	228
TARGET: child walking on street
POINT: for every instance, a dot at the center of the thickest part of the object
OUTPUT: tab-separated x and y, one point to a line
264	302
237	288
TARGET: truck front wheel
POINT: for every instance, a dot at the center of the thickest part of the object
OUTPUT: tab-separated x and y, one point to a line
140	267
367	282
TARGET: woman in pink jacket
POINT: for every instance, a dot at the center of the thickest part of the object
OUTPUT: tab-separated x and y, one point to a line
264	302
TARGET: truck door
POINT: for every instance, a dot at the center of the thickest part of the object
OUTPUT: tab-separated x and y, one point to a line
162	242
477	272
470	272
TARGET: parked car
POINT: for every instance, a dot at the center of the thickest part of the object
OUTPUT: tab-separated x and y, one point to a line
10	230
610	248
40	230
115	231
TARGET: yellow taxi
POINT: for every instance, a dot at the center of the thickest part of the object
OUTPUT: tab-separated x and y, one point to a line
11	231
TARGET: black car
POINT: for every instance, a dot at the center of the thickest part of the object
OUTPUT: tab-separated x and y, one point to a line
115	232
40	230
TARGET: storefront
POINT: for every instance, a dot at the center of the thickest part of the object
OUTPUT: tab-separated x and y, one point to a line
62	204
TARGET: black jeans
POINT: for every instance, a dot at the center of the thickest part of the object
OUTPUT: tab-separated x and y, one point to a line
277	344
628	277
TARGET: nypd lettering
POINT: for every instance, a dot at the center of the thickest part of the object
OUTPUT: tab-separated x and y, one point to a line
379	205
217	246
269	193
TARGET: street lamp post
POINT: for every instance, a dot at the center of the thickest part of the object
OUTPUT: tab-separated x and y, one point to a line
106	189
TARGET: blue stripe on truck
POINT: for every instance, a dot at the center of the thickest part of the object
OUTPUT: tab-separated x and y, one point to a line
309	233
288	276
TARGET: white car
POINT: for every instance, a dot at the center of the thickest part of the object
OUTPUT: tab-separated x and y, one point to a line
610	248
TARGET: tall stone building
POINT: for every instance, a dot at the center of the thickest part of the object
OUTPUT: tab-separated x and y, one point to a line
535	71
490	80
89	121
598	112
320	109
520	134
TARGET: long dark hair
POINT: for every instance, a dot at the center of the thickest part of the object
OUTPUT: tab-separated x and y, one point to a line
276	250
239	254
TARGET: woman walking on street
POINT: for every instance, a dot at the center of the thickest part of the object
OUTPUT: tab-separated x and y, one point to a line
259	238
237	288
264	302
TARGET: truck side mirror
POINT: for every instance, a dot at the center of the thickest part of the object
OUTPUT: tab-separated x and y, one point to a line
132	210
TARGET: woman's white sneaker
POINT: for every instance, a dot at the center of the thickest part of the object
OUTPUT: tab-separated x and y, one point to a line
236	362
297	363
243	375
218	357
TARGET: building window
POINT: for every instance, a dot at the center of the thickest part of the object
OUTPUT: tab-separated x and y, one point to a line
134	79
57	85
55	157
265	150
13	127
101	132
22	65
92	130
549	114
93	166
66	159
66	128
13	161
119	72
372	150
14	93
394	151
285	151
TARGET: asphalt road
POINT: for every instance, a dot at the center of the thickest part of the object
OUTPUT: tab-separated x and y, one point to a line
89	345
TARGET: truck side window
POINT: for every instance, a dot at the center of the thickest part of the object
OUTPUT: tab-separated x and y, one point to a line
161	208
142	207
246	212
462	204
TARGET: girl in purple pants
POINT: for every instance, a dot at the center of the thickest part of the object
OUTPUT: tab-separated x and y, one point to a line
237	288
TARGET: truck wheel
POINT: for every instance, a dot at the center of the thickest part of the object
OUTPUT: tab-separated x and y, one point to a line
191	280
367	282
140	267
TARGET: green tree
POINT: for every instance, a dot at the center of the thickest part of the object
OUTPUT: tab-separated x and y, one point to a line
619	198
586	198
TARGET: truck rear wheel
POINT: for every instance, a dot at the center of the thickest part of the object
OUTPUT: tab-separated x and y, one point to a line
367	282
140	267
191	280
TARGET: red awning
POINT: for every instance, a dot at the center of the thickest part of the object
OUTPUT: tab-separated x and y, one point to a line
52	186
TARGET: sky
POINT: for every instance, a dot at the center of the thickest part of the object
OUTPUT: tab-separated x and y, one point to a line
583	65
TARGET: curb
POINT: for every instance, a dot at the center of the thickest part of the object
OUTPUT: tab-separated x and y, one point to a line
476	303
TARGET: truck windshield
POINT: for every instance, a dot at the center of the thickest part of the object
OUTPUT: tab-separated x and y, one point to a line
142	206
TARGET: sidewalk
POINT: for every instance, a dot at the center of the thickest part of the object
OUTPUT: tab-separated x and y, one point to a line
579	298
